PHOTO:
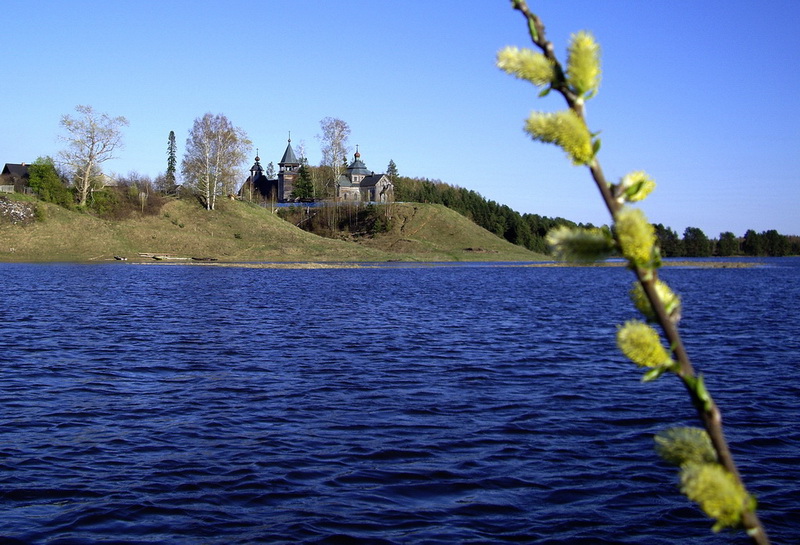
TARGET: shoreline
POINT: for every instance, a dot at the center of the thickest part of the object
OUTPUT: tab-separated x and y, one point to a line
316	264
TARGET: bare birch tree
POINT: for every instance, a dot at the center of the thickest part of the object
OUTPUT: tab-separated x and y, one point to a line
92	138
334	143
215	151
302	156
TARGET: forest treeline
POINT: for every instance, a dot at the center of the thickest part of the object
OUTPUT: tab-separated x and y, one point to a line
530	230
695	243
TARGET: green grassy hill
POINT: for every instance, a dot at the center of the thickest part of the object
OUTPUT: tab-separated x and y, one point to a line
433	232
239	231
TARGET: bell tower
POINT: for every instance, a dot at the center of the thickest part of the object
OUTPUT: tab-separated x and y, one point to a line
287	171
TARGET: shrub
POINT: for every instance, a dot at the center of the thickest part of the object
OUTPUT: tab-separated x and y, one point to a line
47	184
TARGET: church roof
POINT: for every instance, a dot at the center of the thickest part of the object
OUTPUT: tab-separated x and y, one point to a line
289	158
257	168
344	181
372	180
358	166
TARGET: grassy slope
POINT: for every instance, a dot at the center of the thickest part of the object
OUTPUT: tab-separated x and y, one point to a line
241	232
433	232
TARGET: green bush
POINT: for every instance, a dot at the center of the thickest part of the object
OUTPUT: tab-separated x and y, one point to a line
107	204
47	184
124	201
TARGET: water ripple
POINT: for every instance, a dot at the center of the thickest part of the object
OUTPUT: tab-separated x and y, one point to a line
457	405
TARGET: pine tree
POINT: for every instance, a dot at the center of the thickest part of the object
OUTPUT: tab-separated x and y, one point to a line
391	170
303	187
172	161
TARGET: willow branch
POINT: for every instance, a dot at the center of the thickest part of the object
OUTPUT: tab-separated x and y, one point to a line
707	410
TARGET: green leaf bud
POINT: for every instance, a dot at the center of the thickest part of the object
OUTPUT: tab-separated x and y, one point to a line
636	236
671	301
565	129
654	373
719	494
685	445
583	64
698	386
580	245
634	187
642	345
526	64
596	143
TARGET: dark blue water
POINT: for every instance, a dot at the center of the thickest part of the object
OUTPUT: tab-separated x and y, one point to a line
177	404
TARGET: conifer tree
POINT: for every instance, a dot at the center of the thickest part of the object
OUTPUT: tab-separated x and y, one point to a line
303	187
172	161
391	170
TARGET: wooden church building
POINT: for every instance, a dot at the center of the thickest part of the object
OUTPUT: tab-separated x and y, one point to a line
361	184
273	189
356	184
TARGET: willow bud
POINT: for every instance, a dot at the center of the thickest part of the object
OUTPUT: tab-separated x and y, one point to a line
685	445
718	493
636	236
670	300
580	245
583	64
634	187
642	345
565	129
526	64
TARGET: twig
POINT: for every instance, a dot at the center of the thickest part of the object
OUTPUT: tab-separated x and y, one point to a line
707	410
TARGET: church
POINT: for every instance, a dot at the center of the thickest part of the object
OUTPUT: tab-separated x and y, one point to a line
274	189
356	184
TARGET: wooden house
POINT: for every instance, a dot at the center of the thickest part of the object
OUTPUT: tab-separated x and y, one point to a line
14	178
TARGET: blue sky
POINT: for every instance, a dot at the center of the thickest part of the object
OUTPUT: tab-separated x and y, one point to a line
701	95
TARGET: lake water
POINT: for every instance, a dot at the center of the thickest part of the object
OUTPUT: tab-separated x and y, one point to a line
407	405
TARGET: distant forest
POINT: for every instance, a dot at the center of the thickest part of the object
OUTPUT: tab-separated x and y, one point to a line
529	230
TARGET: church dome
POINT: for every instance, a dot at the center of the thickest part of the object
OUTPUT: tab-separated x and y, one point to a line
358	166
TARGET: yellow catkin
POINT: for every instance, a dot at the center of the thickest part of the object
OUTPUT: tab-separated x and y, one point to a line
636	186
636	236
579	245
564	129
526	64
685	445
642	345
717	492
583	63
670	300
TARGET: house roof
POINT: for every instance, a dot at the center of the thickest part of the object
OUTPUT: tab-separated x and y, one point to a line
16	169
